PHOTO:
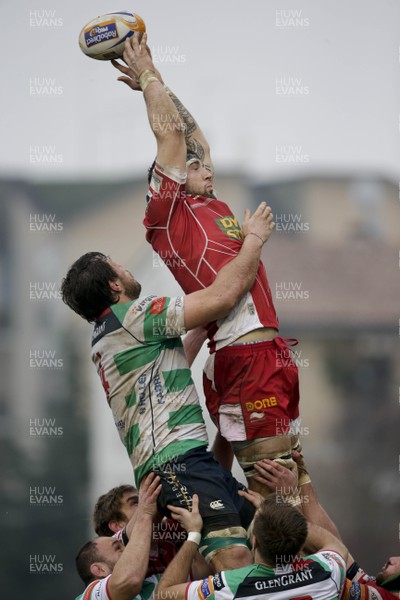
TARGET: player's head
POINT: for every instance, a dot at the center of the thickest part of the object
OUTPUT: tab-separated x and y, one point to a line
94	282
97	558
389	576
279	531
114	509
199	178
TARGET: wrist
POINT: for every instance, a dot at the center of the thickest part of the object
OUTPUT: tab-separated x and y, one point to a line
256	236
145	513
146	77
194	536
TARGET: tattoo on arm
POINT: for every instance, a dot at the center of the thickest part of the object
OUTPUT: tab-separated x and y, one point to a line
185	115
194	149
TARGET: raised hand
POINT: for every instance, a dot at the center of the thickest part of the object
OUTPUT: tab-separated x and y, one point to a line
137	57
260	223
190	520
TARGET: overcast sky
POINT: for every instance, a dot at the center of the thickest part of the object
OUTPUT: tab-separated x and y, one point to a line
278	87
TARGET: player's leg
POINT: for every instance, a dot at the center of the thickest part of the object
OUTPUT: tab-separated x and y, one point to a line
252	395
224	540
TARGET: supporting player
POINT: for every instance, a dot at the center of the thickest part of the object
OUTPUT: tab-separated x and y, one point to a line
279	533
140	359
111	516
111	571
385	586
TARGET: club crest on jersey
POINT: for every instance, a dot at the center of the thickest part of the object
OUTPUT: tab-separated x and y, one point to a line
230	226
157	305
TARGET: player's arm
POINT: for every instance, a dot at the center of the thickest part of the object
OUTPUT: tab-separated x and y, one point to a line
319	540
222	451
129	572
196	143
165	121
171	584
192	343
235	278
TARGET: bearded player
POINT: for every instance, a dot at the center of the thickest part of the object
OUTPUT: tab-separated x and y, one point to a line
250	382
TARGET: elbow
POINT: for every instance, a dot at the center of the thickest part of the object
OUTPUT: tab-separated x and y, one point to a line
227	304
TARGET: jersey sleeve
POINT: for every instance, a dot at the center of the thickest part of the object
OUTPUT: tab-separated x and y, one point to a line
156	318
354	590
200	590
97	590
336	564
167	187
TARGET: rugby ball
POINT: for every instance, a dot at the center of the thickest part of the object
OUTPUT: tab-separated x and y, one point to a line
104	38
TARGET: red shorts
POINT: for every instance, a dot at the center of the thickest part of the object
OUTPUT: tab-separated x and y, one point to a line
252	390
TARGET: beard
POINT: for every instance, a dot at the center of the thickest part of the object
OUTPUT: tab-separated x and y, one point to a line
132	288
379	578
193	191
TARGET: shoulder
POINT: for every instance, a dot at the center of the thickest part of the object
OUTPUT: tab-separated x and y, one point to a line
96	590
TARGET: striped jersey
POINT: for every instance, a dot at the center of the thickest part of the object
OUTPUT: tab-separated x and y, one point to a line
364	587
139	356
320	576
98	590
196	236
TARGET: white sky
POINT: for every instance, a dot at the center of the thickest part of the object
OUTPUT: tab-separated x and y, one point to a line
230	54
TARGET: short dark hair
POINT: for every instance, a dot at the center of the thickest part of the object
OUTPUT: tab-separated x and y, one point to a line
108	508
86	289
86	556
280	530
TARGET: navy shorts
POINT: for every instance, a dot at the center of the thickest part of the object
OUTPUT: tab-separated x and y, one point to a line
197	472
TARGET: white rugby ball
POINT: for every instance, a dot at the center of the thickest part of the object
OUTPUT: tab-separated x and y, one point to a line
104	38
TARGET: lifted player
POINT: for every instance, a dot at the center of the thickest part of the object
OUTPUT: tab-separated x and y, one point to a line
250	381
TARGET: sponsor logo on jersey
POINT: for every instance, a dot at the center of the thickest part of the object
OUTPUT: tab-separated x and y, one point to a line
101	33
157	305
355	591
261	404
139	307
216	505
230	226
217	581
206	589
104	325
156	182
256	416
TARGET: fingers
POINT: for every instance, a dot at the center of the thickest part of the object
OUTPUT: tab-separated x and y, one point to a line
176	511
120	67
195	503
252	497
150	483
149	51
246	216
154	484
260	209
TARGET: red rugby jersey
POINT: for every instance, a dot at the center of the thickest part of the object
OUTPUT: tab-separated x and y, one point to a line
195	236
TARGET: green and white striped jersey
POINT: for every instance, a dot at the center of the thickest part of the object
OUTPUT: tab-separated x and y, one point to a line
138	353
320	576
98	590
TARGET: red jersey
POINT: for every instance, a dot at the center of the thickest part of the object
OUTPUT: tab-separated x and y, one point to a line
364	587
366	591
196	236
